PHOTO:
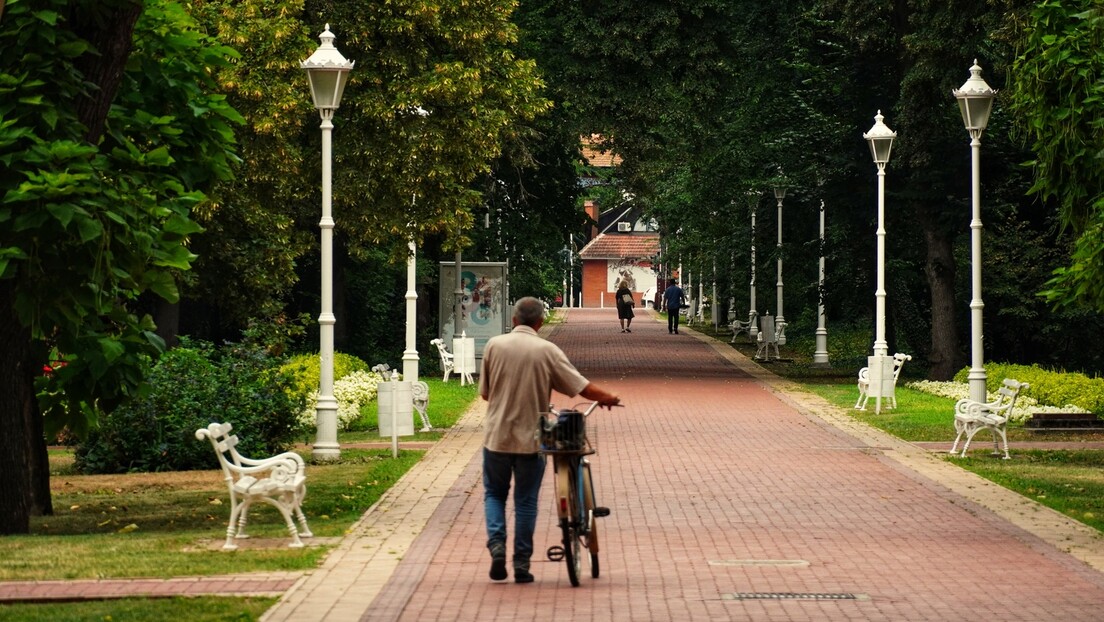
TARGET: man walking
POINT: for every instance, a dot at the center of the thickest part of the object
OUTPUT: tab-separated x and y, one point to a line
520	371
674	297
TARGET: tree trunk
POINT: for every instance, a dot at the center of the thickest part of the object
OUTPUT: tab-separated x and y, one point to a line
940	271
42	504
16	458
109	27
166	316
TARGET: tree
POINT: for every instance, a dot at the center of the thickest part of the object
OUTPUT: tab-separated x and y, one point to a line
248	251
1058	91
97	195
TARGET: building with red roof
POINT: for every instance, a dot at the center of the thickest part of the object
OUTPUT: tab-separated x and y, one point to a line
623	247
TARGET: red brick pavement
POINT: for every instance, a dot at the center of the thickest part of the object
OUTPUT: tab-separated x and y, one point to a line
719	488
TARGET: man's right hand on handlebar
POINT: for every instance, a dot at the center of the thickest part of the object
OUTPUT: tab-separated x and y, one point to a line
600	395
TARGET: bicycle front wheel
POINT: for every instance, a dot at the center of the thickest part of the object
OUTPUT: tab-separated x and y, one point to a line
592	531
567	506
571	552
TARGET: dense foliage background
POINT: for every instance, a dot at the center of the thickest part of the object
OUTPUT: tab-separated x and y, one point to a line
161	173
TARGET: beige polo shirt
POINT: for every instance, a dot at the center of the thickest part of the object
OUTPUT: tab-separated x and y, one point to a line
520	370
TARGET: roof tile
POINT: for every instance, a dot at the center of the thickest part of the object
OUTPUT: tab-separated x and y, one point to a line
610	246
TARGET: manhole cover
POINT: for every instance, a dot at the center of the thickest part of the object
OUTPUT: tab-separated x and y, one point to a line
792	596
799	563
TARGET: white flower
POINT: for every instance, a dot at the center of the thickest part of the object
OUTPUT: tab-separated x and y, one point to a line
351	392
1025	406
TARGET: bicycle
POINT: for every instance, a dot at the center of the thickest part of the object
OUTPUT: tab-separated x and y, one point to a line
563	437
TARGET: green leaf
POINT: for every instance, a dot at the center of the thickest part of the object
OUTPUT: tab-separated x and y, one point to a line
90	229
162	284
111	348
181	226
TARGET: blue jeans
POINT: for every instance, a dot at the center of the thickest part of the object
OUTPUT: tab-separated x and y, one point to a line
527	471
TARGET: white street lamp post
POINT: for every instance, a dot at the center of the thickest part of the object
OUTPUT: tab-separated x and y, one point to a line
975	101
410	354
753	313
881	139
779	319
327	71
820	355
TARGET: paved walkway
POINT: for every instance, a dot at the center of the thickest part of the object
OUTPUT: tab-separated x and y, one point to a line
733	498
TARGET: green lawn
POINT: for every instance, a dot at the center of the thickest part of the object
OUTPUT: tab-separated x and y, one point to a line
1071	482
171	524
201	609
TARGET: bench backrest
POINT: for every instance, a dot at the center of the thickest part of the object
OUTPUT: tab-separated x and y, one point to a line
899	362
1007	395
441	349
281	467
224	444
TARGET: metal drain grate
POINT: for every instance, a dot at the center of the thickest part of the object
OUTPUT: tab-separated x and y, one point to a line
791	596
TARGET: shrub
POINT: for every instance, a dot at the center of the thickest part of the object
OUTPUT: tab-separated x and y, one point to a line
354	386
1051	388
188	388
306	370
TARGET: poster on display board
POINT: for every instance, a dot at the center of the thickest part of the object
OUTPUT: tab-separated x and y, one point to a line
485	310
637	273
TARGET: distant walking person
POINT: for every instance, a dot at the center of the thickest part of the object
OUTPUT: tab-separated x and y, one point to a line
673	298
625	304
520	370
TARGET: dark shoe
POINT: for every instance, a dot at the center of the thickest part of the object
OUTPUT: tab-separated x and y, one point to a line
627	330
498	561
521	570
676	332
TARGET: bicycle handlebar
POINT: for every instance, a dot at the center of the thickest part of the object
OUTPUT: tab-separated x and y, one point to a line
586	413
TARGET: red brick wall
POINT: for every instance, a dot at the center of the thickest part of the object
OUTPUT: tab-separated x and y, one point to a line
594	283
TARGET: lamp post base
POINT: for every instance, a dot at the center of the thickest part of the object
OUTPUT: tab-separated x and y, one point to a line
326	447
882	386
820	356
410	365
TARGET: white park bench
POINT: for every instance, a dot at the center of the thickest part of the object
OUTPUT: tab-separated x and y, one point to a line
448	364
864	382
280	481
770	334
745	326
420	391
972	416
